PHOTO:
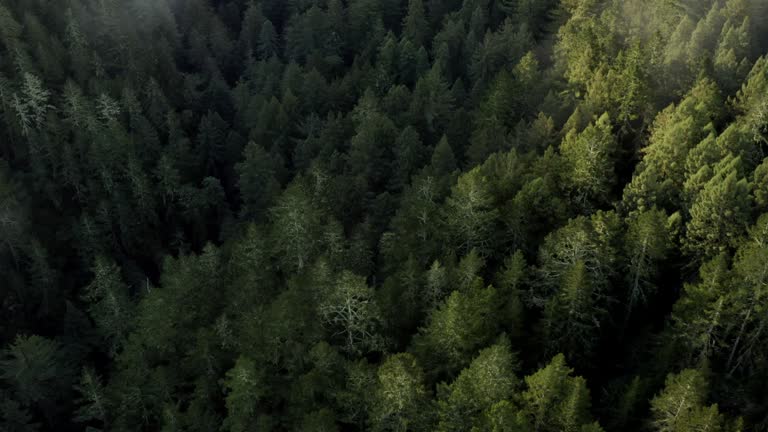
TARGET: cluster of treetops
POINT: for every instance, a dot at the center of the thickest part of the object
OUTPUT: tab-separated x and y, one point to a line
387	215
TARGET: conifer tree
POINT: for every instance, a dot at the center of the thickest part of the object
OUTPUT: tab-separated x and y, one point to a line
110	306
401	398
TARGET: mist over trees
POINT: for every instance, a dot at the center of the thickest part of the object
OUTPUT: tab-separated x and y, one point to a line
386	215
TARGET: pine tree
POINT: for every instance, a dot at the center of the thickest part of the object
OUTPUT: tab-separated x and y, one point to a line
453	332
748	300
510	280
37	370
257	182
681	405
436	287
469	213
659	178
401	398
410	155
244	387
432	102
267	46
32	104
590	156
15	418
488	380
575	267
443	162
110	306
647	243
556	401
93	401
720	212
415	26
296	219
700	314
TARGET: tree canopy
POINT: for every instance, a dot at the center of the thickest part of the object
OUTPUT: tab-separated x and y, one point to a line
387	215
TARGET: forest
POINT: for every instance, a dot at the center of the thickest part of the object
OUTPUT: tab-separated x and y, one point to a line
384	215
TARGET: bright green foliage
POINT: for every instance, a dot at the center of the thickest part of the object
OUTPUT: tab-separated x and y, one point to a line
401	397
680	407
467	273
469	213
505	417
720	212
487	381
760	186
556	401
627	93
659	178
731	62
582	44
464	322
749	300
590	158
751	100
575	265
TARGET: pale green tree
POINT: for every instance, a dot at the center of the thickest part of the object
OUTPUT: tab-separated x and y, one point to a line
401	400
350	310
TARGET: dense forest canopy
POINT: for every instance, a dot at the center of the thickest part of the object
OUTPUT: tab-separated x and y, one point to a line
388	215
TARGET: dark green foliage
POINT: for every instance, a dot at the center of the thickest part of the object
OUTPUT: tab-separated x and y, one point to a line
387	215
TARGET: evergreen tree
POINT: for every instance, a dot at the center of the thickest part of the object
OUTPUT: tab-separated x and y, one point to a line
590	155
415	26
401	398
710	231
258	185
110	307
554	400
243	386
93	401
487	381
681	405
647	243
464	322
469	213
38	372
284	215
